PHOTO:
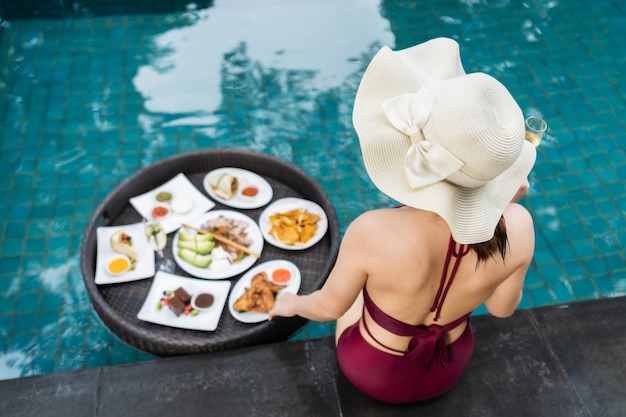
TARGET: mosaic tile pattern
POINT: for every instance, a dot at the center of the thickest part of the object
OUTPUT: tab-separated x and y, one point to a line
97	92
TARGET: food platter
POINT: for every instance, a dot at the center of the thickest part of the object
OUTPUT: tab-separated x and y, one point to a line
245	281
117	305
206	272
249	191
144	266
155	310
287	204
176	201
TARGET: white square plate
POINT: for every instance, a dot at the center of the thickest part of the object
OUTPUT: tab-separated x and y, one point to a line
178	187
144	268
206	320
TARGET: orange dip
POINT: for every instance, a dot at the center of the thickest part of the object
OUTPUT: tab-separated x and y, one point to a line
250	191
281	276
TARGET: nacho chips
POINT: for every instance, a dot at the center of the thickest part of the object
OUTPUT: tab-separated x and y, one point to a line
293	227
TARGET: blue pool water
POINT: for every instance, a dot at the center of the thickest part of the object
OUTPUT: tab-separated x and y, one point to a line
91	92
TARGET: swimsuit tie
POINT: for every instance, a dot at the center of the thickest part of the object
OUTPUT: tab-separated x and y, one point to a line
429	347
427	344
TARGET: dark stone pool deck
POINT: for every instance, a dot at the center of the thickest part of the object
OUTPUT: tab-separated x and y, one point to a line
567	360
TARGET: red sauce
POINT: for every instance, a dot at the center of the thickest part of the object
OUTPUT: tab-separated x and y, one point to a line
250	191
159	211
281	276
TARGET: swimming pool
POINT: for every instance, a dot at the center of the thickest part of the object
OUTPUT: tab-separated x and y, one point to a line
89	93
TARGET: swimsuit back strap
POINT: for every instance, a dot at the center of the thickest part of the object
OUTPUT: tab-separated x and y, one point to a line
387	322
427	343
442	292
367	329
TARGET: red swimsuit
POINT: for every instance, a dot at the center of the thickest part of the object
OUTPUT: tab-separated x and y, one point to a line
426	369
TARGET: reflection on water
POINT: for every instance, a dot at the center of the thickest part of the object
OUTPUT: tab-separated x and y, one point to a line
236	47
54	278
14	365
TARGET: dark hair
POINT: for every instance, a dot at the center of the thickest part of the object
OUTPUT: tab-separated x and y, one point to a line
498	243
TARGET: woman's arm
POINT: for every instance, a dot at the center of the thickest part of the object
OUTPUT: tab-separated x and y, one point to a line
521	235
345	282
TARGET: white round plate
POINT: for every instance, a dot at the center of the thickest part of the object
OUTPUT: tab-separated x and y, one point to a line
291	203
253	233
244	282
245	178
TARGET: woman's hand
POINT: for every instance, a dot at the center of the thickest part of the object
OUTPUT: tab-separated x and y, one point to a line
285	306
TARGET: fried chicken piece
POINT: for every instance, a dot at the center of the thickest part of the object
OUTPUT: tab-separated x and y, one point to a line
260	296
246	302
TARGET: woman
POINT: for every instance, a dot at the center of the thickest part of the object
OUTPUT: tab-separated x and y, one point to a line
450	147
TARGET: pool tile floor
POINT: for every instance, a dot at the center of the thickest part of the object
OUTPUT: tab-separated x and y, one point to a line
564	361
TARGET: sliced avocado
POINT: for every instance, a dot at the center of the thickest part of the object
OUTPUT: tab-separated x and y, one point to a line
204	248
185	236
188	255
203	238
201	247
198	237
187	244
202	261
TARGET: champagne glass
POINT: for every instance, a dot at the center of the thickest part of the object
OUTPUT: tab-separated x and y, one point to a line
535	128
157	239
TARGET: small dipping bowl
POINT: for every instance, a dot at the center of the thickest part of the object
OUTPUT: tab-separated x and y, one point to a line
281	276
182	205
118	265
159	212
202	301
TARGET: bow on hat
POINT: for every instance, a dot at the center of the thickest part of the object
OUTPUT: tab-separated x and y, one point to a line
426	162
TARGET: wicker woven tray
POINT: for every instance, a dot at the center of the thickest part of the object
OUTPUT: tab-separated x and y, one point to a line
118	304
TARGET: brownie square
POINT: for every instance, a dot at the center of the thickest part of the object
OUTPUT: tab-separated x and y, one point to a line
182	295
176	305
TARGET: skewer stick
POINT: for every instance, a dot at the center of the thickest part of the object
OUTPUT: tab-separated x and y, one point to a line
224	240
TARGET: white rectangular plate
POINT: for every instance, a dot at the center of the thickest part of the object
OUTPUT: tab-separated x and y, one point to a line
145	255
206	320
179	186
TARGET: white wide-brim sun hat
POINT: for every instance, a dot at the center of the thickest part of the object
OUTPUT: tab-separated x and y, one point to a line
437	139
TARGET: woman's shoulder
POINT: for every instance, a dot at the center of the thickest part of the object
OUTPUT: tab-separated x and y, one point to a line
371	221
390	224
378	219
520	230
517	215
375	214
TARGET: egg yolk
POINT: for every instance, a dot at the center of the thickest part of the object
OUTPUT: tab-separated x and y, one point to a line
118	265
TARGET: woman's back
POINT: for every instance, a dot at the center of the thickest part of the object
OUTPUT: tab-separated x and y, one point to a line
404	261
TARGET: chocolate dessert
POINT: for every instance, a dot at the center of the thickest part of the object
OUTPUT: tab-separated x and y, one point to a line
182	295
176	305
